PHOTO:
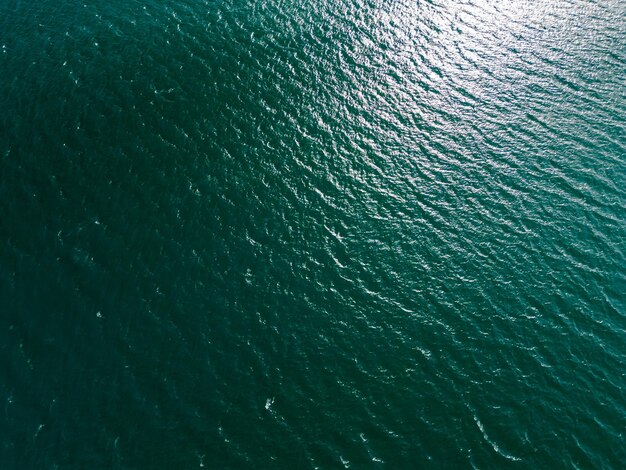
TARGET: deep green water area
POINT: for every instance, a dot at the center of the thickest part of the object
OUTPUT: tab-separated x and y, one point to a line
312	234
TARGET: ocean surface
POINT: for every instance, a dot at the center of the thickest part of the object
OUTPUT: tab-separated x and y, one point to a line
312	234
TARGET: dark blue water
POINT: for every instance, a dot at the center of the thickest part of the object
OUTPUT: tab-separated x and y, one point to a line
327	234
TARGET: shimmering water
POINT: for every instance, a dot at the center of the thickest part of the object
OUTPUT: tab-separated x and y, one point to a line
312	234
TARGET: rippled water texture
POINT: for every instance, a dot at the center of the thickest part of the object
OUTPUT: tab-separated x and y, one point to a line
289	234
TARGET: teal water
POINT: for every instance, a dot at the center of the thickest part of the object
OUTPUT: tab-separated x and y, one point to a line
322	234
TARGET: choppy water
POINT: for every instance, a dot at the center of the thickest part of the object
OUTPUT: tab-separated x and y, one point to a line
292	234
